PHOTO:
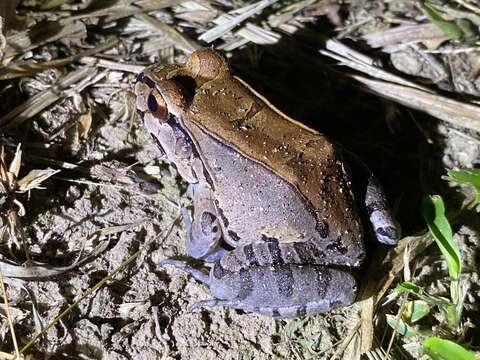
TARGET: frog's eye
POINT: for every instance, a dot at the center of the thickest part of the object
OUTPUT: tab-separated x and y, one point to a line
157	105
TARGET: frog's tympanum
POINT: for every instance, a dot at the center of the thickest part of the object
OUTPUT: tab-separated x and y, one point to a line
274	214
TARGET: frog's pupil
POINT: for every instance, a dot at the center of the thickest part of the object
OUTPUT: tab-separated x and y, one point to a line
152	103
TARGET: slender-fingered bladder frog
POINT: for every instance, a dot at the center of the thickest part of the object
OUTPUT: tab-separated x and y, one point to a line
274	214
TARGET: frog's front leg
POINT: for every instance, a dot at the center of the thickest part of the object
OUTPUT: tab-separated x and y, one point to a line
281	291
204	231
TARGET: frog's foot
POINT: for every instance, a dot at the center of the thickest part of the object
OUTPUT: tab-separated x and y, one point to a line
370	196
198	274
385	227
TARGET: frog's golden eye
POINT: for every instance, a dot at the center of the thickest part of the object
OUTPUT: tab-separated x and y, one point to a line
157	105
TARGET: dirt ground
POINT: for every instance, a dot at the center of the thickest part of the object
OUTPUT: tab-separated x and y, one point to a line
116	197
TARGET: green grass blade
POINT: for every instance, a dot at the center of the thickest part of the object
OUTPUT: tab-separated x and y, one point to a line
400	326
448	27
441	349
433	210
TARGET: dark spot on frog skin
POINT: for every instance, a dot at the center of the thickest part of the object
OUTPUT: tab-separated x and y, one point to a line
374	206
222	215
308	251
246	284
218	270
284	280
233	235
159	146
206	221
276	312
388	231
274	250
337	246
250	255
323	229
302	311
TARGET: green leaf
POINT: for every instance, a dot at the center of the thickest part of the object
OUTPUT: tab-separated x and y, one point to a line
409	287
415	310
441	349
448	27
400	326
433	211
469	177
51	4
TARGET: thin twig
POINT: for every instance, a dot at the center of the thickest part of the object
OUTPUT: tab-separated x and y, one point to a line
9	315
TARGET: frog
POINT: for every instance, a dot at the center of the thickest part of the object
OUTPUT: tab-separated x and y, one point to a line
277	223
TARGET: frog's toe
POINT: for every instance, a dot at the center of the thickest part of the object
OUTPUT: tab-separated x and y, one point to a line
198	274
213	303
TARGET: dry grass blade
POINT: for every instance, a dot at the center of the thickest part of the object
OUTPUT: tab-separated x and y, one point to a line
405	34
14	167
15	70
177	38
406	92
120	9
42	33
3	40
34	178
377	354
113	65
36	272
45	98
451	111
358	61
9	316
227	23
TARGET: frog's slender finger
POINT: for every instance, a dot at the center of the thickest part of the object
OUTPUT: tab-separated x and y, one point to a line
200	275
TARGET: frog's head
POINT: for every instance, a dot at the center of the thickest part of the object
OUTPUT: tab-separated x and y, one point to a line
163	91
163	95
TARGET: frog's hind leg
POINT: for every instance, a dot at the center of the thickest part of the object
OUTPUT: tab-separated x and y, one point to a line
283	291
272	252
371	197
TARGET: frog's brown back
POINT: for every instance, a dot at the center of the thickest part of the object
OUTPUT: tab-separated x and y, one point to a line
297	153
